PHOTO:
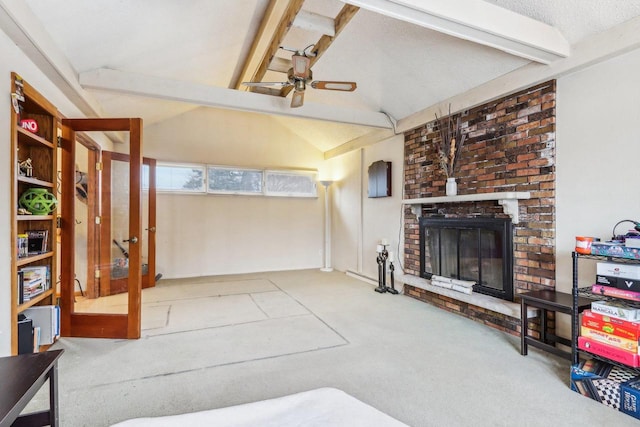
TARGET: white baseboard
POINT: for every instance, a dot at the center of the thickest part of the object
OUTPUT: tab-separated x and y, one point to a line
361	277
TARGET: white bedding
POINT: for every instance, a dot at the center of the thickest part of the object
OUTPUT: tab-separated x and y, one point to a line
320	407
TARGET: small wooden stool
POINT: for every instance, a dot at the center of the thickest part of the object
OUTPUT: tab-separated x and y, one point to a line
547	300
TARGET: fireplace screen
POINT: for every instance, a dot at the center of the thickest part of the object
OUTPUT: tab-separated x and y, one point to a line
477	249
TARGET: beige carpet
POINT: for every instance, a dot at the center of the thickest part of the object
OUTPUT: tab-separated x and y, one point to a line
274	334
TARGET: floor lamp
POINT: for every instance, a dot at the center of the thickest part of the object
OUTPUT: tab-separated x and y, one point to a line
327	227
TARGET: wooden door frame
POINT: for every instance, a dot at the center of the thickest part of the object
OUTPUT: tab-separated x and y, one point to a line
99	325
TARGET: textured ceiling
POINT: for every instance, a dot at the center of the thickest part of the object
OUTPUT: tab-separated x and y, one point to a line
400	68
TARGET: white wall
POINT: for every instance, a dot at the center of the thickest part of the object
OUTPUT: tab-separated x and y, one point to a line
598	111
214	234
359	223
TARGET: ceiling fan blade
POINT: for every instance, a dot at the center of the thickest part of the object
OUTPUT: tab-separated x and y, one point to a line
266	84
298	99
328	85
301	66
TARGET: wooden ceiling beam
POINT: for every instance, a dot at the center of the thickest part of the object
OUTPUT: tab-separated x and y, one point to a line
310	21
279	34
341	20
280	65
264	23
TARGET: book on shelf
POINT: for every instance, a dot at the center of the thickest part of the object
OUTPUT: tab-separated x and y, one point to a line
35	280
615	292
20	283
36	339
23	245
37	241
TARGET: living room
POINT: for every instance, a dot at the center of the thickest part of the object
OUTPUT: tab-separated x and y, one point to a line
204	235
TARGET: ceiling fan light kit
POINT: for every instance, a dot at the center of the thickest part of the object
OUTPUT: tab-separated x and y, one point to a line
301	66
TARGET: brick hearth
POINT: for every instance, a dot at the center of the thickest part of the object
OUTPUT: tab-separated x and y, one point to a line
510	147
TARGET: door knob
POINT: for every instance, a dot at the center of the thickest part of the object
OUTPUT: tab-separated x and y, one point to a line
152	229
133	239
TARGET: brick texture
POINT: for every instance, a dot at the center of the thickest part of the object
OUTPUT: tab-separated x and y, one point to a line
510	146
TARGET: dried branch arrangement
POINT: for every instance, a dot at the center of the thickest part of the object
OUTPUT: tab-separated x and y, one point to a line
451	142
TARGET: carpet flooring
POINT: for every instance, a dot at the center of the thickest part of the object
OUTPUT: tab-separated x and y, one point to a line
214	342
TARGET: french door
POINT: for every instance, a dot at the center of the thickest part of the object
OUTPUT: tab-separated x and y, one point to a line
114	243
124	323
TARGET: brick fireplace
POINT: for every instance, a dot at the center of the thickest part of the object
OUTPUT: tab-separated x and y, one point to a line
510	147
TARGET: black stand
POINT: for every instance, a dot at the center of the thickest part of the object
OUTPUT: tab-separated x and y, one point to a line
382	270
392	289
383	255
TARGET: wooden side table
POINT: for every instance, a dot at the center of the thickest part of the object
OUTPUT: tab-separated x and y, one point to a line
21	377
548	300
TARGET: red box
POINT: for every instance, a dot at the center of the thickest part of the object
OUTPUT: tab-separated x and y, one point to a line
616	354
611	325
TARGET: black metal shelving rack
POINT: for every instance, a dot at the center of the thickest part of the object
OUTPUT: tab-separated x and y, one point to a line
586	292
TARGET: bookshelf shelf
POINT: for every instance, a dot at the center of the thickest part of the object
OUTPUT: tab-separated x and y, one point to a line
34	181
34	217
33	258
28	138
35	300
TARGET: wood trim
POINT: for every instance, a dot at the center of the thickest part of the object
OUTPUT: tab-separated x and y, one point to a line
152	223
279	34
14	226
135	229
121	157
93	238
97	325
105	226
99	125
342	19
67	229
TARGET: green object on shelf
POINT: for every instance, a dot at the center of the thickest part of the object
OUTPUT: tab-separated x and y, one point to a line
38	201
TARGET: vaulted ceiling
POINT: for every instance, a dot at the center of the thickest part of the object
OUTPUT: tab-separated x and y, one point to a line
156	59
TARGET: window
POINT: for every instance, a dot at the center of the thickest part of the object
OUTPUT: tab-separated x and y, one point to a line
180	177
234	180
290	184
195	178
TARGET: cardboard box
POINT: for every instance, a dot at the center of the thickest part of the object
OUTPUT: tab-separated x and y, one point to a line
616	250
610	339
632	241
600	381
611	325
630	398
629	271
618	309
616	354
619	282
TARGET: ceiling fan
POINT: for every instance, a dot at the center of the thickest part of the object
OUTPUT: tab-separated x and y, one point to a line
300	75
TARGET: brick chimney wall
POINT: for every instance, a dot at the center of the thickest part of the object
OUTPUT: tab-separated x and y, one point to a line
510	146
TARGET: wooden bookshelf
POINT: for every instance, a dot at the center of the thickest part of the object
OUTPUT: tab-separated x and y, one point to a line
40	146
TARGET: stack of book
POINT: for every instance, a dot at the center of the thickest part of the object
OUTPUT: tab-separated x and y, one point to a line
32	281
612	327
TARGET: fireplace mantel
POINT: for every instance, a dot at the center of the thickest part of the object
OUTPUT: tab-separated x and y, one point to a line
508	200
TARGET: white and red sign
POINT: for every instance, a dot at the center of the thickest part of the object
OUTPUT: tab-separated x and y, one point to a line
29	124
